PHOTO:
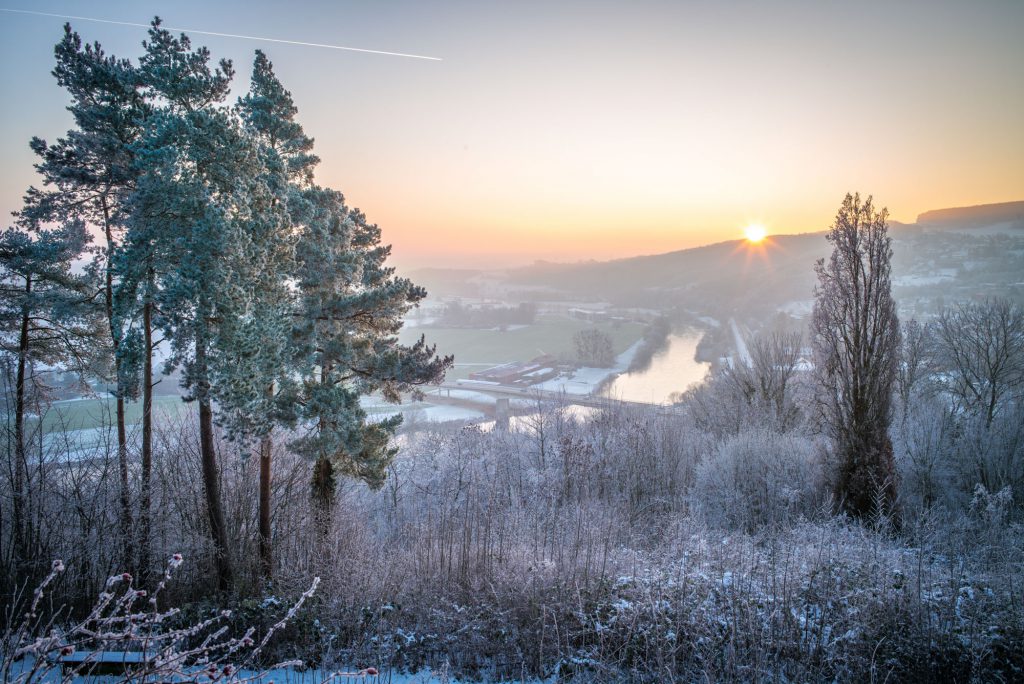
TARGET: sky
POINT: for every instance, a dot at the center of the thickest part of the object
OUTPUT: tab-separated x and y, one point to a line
595	130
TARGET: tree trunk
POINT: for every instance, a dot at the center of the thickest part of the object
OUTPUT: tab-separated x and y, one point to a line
145	492
323	485
866	486
211	475
122	467
122	433
266	549
20	462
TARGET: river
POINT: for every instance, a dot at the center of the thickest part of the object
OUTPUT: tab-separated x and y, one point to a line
672	370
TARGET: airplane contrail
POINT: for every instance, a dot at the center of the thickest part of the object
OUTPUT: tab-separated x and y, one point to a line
223	35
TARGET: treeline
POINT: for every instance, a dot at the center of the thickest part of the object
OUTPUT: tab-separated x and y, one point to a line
958	411
205	235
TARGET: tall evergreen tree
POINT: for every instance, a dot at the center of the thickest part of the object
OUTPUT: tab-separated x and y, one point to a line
269	112
87	174
350	311
45	317
273	296
188	210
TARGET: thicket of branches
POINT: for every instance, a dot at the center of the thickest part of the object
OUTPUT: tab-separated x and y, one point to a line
624	546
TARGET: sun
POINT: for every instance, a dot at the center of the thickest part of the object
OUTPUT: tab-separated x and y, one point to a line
755	232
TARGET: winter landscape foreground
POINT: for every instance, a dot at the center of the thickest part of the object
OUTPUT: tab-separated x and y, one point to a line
240	446
607	550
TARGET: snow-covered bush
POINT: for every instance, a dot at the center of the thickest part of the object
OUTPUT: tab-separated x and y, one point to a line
992	455
759	478
924	442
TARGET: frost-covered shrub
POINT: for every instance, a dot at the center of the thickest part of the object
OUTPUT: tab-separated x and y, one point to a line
924	444
759	478
992	455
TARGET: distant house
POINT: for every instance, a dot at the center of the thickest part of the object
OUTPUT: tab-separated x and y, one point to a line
589	315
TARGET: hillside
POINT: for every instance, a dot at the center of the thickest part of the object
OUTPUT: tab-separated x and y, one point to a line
965	252
736	273
976	217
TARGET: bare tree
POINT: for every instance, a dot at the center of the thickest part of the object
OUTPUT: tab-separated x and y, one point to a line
981	350
594	348
766	383
856	339
914	364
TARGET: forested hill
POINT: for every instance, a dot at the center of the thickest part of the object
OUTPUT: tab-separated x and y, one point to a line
980	216
743	278
735	270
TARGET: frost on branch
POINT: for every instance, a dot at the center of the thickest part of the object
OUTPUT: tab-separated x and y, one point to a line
126	628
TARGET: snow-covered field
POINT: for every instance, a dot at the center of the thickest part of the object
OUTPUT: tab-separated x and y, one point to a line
585	381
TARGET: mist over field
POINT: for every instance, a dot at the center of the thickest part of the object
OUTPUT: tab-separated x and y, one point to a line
465	390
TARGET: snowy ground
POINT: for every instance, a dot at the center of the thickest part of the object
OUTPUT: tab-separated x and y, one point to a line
74	445
276	676
919	280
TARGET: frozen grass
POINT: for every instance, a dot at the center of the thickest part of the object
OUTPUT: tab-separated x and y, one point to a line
565	549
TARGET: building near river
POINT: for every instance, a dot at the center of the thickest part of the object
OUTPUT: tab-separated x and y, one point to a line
519	373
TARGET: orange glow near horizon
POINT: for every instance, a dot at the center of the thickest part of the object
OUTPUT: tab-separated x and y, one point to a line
533	140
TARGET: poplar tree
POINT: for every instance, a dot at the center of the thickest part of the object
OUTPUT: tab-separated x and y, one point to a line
856	340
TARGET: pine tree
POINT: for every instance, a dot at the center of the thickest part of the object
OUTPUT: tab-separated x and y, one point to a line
46	316
87	175
350	311
273	296
856	339
188	210
269	111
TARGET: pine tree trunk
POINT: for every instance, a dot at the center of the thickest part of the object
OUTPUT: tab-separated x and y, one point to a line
20	462
266	549
145	492
323	486
122	432
122	467
211	475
